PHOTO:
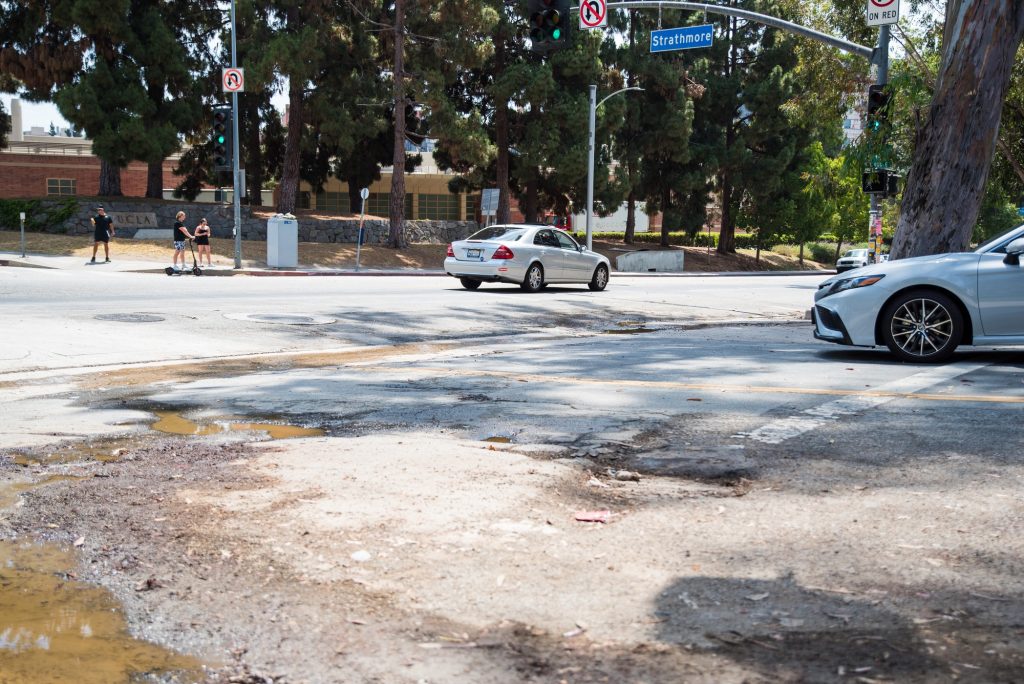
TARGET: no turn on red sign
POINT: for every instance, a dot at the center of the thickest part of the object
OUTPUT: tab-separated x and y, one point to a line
593	14
882	12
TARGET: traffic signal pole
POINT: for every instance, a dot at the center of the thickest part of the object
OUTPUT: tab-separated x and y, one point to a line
236	186
882	78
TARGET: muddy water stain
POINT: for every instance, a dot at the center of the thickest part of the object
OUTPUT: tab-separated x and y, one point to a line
54	629
10	492
499	439
174	424
106	451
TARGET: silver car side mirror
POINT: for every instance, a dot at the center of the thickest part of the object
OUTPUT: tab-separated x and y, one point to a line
1013	252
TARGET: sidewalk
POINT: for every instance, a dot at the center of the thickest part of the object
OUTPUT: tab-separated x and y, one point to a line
249	268
75	263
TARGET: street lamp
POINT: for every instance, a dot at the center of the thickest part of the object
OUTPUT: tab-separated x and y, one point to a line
590	160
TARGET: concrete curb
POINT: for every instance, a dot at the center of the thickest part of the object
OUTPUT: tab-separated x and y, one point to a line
376	273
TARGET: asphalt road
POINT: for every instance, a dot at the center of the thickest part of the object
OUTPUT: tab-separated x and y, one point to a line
830	506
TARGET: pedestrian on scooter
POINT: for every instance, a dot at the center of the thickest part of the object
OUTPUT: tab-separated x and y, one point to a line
181	235
102	231
202	233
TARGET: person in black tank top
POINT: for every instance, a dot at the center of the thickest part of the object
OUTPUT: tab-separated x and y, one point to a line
202	233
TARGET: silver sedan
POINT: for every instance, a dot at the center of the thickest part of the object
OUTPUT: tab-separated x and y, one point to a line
924	308
531	256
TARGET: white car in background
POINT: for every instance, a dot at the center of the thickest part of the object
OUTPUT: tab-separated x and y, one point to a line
852	258
529	255
923	308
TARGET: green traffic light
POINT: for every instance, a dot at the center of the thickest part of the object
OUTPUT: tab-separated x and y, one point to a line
556	34
220	139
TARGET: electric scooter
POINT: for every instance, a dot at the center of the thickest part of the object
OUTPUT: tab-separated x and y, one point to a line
195	264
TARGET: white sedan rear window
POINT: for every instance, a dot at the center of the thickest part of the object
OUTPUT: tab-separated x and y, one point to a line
502	233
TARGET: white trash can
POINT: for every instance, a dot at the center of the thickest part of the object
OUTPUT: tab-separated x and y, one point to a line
282	242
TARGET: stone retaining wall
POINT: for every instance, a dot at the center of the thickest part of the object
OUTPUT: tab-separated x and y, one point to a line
160	214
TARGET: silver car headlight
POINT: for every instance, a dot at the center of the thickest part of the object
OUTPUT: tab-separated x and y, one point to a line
849	284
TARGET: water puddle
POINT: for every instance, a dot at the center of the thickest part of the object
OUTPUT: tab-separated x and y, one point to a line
107	451
499	439
9	493
56	629
172	423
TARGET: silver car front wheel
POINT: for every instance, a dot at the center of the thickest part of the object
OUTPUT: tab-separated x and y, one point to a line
922	326
600	279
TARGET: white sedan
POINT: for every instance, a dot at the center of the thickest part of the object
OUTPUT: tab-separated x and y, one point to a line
531	256
923	308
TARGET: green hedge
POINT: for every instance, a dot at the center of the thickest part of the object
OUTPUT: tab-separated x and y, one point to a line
39	216
822	250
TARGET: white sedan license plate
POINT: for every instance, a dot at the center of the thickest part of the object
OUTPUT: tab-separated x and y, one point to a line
472	252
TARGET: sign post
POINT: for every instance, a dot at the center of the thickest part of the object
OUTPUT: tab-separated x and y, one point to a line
883	12
363	194
593	14
22	234
488	205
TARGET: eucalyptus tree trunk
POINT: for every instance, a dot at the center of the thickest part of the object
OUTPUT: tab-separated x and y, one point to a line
110	179
954	150
396	208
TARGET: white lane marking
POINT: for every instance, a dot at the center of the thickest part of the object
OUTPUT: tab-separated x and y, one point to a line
780	430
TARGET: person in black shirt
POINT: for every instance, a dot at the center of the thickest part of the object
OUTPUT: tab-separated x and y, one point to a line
181	234
102	231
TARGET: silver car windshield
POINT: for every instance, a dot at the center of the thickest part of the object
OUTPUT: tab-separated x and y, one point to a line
999	242
502	233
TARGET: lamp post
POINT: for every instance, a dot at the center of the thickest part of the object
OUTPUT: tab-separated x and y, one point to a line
594	104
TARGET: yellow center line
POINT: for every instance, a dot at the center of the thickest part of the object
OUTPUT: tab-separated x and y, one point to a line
709	387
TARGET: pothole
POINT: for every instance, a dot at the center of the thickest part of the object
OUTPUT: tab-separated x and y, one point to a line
59	629
130	318
628	331
282	319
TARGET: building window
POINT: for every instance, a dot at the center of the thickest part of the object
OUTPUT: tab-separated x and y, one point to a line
333	202
472	207
61	186
304	200
379	204
439	207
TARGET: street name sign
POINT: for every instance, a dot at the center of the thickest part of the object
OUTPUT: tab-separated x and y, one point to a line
883	12
682	38
593	14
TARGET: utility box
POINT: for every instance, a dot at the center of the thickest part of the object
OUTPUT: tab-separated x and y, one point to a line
282	242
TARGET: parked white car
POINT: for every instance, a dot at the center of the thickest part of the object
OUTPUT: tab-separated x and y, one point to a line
852	258
529	255
923	308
